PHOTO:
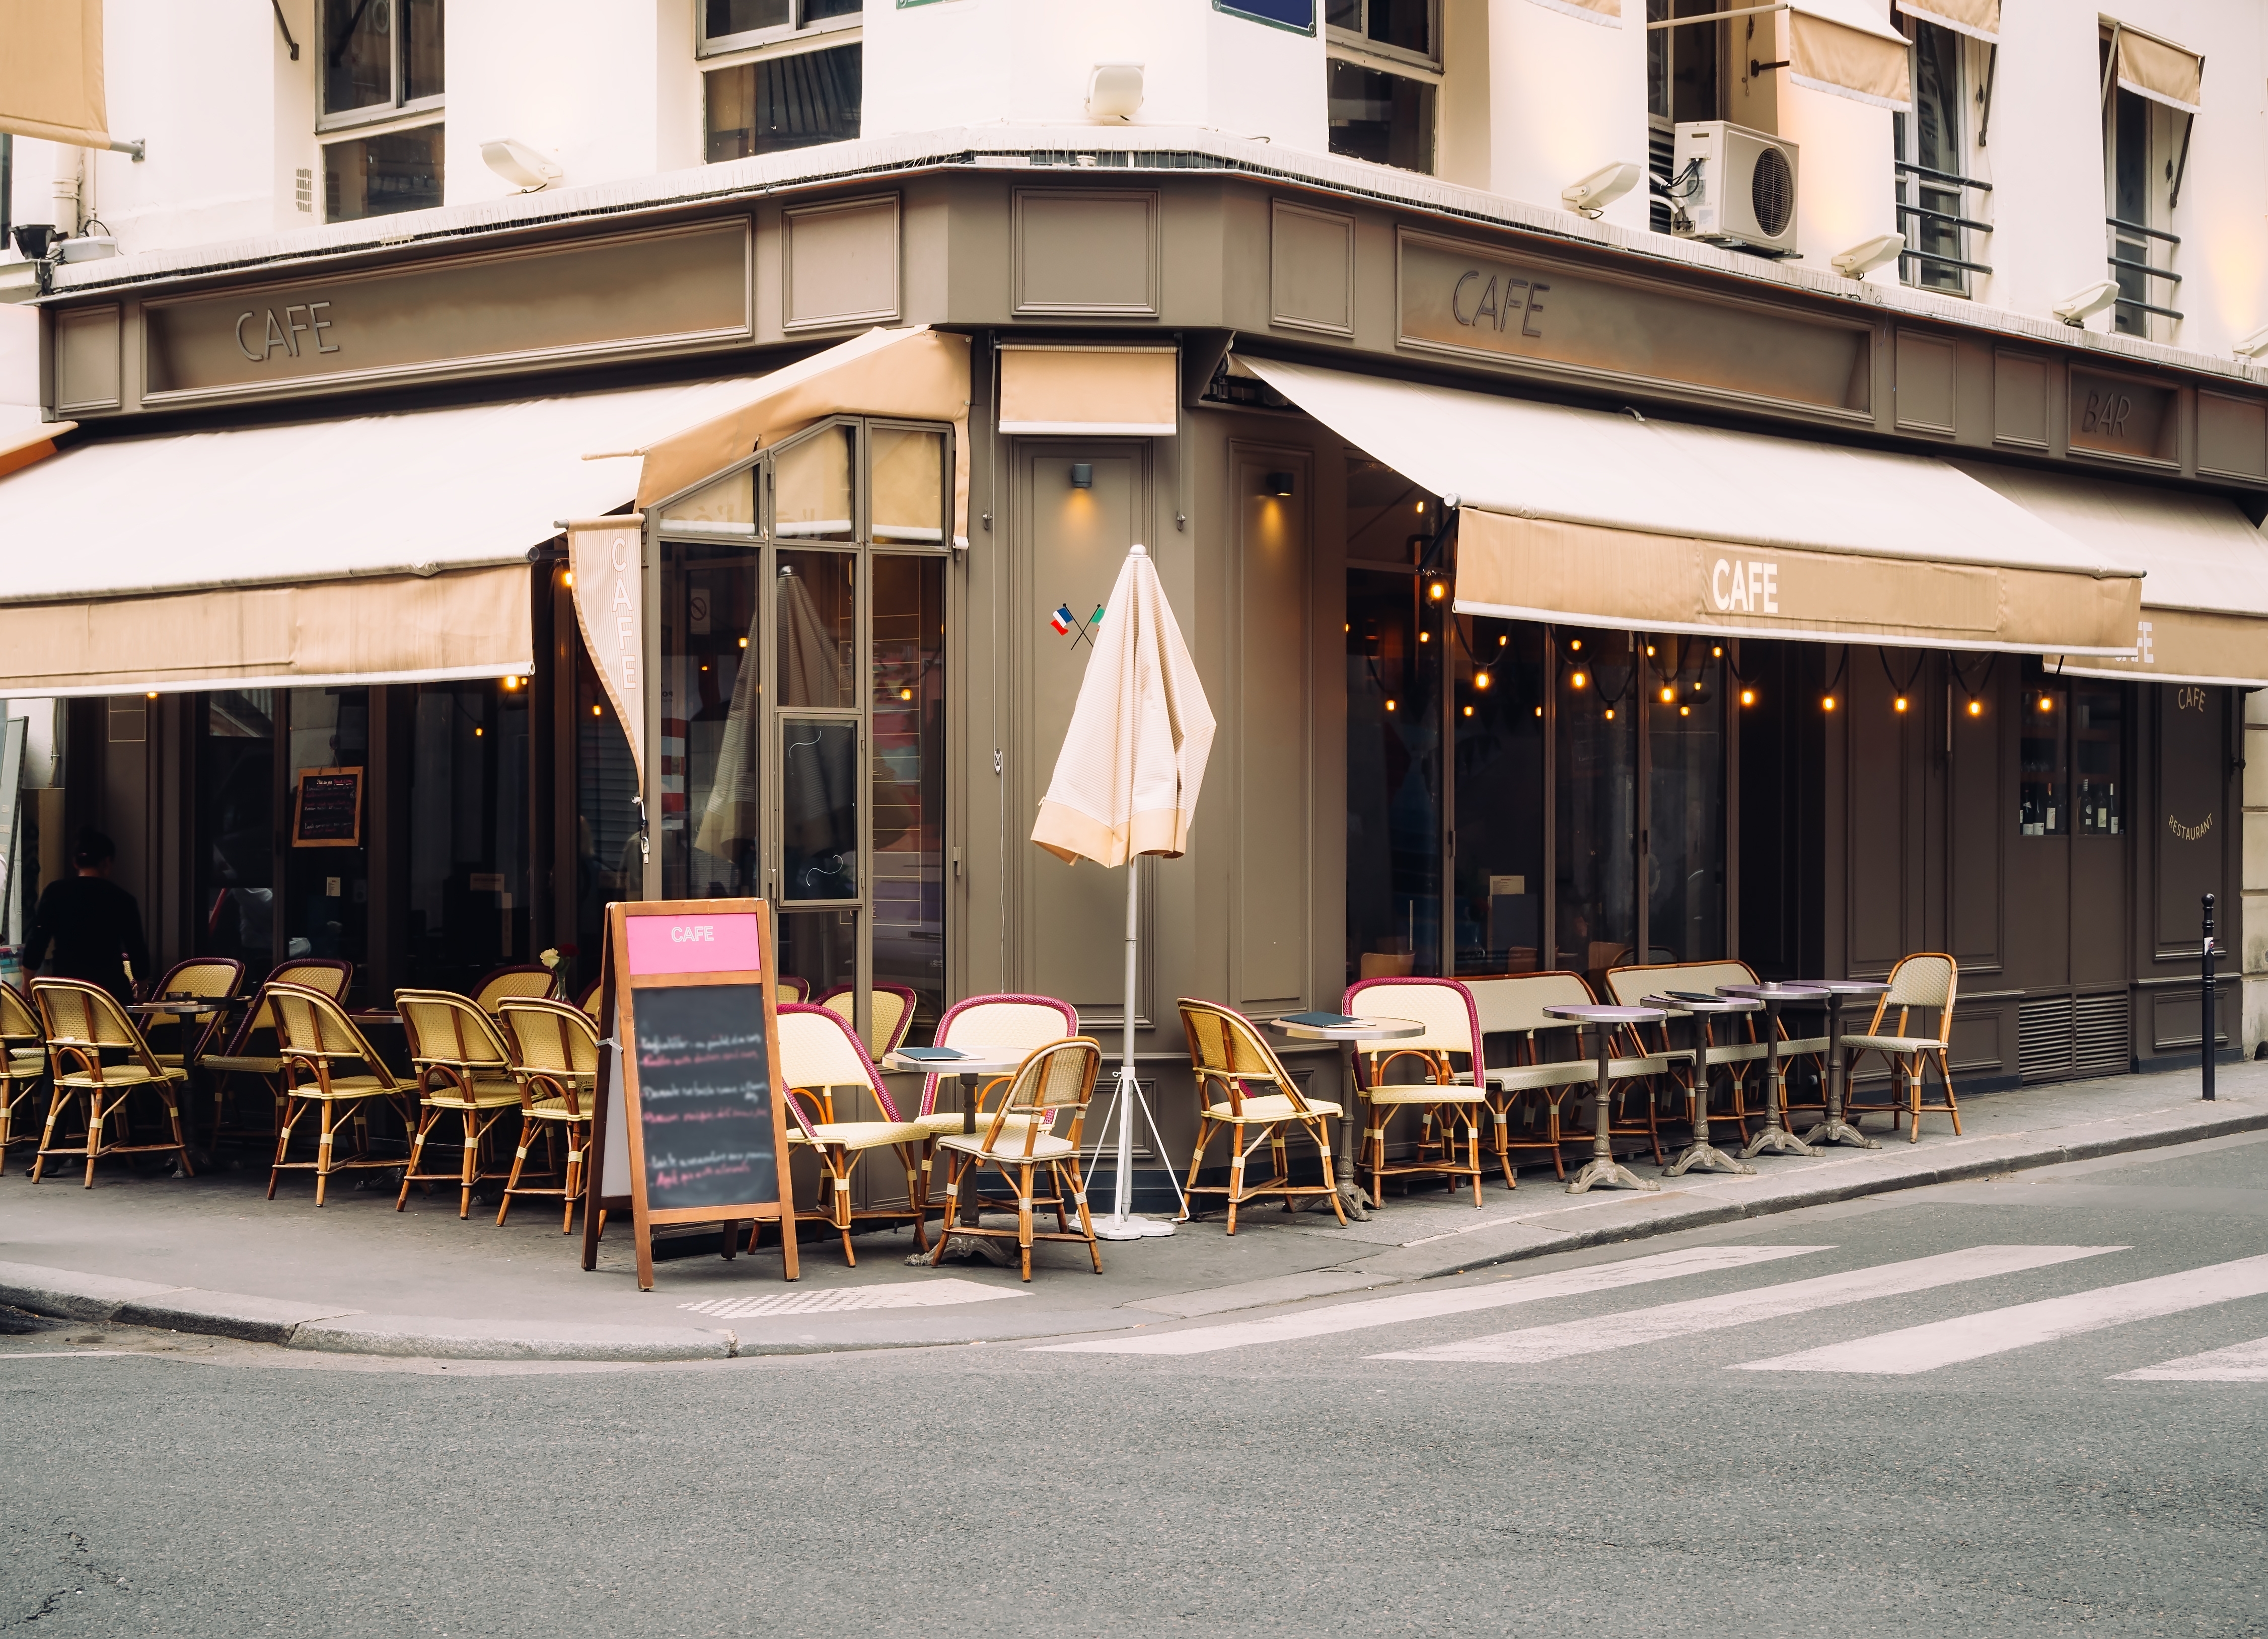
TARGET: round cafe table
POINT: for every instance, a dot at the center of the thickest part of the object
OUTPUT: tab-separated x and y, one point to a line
1775	1139
1701	1155
1603	1171
1835	1130
1354	1032
978	1060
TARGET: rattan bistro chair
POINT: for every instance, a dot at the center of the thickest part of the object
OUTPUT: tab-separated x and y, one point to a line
555	1059
252	1051
519	978
893	1015
464	1070
208	978
1020	1141
23	1067
1445	1101
1244	1090
1012	1021
1923	983
328	1066
818	1054
82	1022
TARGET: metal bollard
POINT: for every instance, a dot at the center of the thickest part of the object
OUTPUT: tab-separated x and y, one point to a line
2206	1000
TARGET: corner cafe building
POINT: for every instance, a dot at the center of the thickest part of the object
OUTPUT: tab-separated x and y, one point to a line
1565	601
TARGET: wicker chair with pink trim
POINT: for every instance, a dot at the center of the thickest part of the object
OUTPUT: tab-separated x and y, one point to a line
1009	1019
1446	1099
819	1054
894	1014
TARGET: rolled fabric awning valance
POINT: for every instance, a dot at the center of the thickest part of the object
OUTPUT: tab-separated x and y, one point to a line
1979	19
1838	47
2159	70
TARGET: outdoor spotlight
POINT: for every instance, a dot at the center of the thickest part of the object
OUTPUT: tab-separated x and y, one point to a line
2077	309
1595	192
1114	90
516	162
2251	347
1082	474
1278	484
33	240
1869	254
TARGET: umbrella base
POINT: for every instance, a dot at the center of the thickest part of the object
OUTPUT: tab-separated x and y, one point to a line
1130	1229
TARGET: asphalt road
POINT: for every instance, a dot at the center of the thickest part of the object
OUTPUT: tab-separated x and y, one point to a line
1581	1455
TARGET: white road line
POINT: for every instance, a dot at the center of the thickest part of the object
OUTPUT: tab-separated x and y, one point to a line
1662	1266
1996	1331
846	1299
2239	1362
1633	1327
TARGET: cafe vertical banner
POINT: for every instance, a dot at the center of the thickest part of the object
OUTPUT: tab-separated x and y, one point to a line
604	556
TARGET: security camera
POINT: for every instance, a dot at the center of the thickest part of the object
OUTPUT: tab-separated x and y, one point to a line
1114	90
2253	346
2077	309
1869	254
1595	192
516	162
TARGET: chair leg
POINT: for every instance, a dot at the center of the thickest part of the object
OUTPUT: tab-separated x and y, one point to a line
96	1116
1503	1125
1024	1217
518	1160
578	1141
921	1218
1235	1173
1206	1127
180	1142
1473	1152
953	1170
283	1138
1945	1076
1078	1199
1910	1076
1320	1131
323	1151
1374	1144
839	1208
417	1150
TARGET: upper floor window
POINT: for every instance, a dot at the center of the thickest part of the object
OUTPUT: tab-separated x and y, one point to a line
797	77
2150	99
1682	76
379	58
1385	76
1939	205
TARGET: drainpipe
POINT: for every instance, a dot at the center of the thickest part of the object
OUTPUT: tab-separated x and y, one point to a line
70	166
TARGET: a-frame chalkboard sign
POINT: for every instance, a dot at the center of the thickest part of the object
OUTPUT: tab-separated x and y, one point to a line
691	1120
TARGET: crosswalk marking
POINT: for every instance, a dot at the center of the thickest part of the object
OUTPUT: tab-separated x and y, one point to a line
2239	1362
1996	1331
1598	1333
1427	1305
843	1300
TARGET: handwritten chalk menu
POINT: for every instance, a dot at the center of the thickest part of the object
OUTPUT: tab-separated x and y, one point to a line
327	812
691	1118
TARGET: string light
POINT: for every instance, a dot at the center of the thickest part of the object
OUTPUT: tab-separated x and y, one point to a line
905	694
1685	711
1649	652
1747	696
1502	639
567	580
1611	714
1539	711
1576	647
1717	653
1668	694
1827	703
2047	702
1425	637
1899	704
596	712
1576	679
1437	592
1468	711
744	643
1389	705
1480	680
1976	707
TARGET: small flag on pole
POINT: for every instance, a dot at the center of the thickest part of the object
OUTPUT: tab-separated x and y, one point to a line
1097	621
1062	619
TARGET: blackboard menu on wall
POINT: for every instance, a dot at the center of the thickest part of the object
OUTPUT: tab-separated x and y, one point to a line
705	1097
328	812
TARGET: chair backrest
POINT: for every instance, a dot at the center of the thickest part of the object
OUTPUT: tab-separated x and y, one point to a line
1516	1004
319	973
589	1000
1628	987
523	979
549	1038
1444	1006
18	1022
893	1007
310	1024
1009	1019
212	977
1927	980
451	1030
86	1017
1055	1077
1226	1046
788	988
819	1049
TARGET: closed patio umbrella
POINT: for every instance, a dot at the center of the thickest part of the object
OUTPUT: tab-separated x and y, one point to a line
1126	784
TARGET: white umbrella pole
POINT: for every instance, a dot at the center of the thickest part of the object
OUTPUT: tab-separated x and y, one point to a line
1121	1224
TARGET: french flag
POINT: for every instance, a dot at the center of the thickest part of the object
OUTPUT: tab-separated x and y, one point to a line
1062	619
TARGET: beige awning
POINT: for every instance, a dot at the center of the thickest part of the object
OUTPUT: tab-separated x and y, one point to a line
51	71
2159	70
1598	519
2203	617
1979	19
1125	392
1609	13
1841	47
918	373
366	549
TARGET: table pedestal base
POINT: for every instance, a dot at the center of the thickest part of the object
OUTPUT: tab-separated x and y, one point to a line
993	1252
1835	1130
1605	1172
1774	1141
1704	1158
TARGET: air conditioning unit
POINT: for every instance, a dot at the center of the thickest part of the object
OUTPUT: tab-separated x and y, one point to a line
1732	186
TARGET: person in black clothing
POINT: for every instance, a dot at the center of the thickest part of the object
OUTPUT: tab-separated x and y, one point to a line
93	924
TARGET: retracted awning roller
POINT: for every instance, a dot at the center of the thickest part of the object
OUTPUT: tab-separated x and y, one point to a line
1596	519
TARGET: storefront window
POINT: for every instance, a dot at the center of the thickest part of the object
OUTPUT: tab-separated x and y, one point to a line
2044	797
235	843
711	723
811	486
327	887
727	507
1498	726
467	853
1597	686
818	628
1685	820
1394	776
907	776
608	864
2098	744
909	485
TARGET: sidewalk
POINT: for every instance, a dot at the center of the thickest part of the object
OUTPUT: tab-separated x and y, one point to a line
209	1254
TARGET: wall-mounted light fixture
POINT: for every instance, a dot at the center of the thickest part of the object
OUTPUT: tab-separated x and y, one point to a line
1278	484
1869	254
1082	474
518	164
2083	304
1114	90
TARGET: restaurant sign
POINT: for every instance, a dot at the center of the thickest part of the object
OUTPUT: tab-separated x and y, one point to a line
1558	318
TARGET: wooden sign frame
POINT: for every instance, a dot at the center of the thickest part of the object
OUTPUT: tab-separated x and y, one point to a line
298	797
618	1094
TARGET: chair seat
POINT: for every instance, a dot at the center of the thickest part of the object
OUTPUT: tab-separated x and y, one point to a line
1270	1106
556	1110
942	1123
861	1135
1425	1093
1576	1072
1737	1053
249	1066
27	1062
122	1076
487	1094
1805	1044
1895	1044
345	1088
1046	1147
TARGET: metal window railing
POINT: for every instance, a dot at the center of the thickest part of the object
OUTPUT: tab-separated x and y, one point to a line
2134	270
1916	182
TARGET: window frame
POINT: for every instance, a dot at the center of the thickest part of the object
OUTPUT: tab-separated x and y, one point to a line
725	50
1968	102
1356	46
2165	167
397	111
810	44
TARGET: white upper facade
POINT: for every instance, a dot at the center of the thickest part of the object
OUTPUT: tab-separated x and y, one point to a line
386	107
